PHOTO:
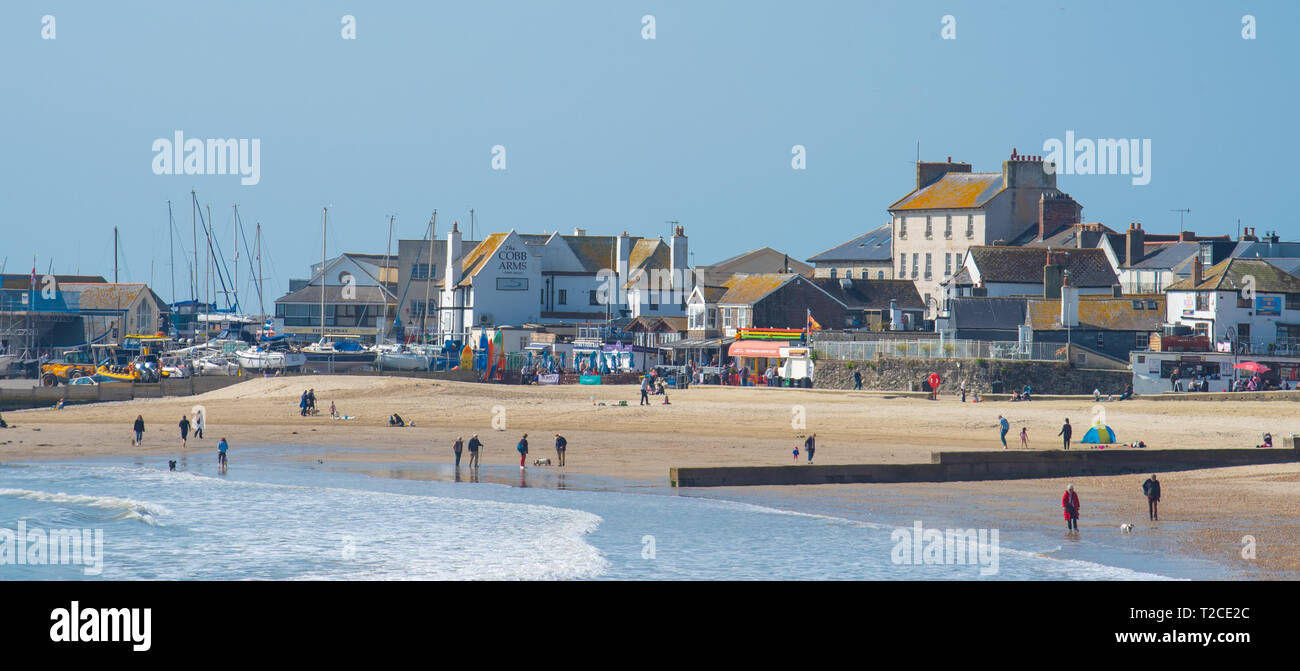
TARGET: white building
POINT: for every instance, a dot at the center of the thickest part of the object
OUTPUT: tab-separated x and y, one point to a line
1246	305
512	278
952	209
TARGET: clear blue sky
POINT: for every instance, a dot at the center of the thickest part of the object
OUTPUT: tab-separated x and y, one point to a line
607	131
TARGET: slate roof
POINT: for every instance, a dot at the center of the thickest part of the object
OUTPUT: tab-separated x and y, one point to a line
334	294
1024	265
874	245
105	295
872	294
1229	275
969	312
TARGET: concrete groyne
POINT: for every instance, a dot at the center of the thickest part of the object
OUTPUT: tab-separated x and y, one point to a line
1000	465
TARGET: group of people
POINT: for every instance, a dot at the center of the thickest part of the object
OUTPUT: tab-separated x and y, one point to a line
475	447
185	425
1124	396
1070	503
651	383
1066	432
307	404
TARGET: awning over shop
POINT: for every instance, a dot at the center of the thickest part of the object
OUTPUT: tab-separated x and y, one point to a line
757	348
701	343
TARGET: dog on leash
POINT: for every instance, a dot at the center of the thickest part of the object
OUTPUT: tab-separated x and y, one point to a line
1126	528
542	462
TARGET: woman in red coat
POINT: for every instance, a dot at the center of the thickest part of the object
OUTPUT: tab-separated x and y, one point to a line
1070	502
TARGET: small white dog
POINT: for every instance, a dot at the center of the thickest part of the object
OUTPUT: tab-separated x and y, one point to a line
1126	528
542	462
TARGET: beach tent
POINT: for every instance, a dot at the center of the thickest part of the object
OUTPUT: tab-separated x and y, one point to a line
1100	434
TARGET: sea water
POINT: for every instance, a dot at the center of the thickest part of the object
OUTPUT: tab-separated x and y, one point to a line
275	518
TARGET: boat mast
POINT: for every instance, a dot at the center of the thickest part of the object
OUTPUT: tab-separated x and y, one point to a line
324	223
171	247
114	255
194	270
383	278
261	306
428	280
212	283
234	280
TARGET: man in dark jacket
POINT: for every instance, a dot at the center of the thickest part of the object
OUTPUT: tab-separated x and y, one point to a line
1066	431
560	446
1151	489
810	446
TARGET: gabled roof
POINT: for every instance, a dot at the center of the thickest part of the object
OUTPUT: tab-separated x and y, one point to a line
1101	312
1164	256
954	190
979	312
334	294
749	289
648	254
1230	275
1249	249
594	252
874	245
1068	236
871	294
742	263
478	257
1087	267
106	295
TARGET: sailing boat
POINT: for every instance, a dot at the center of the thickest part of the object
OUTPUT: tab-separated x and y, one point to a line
336	353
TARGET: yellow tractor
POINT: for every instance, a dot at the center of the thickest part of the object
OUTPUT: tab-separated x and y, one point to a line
73	364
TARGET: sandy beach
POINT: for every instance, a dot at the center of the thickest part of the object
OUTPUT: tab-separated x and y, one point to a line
728	426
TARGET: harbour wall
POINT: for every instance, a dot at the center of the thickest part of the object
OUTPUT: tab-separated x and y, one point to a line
1000	465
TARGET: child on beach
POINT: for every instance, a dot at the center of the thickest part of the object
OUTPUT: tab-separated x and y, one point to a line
1024	437
334	412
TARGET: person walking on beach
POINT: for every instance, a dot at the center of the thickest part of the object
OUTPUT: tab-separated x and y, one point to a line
1066	431
138	428
474	445
311	401
1006	426
185	430
1024	437
810	446
522	448
560	446
1070	503
455	448
198	425
302	404
962	388
221	455
857	379
645	391
1151	488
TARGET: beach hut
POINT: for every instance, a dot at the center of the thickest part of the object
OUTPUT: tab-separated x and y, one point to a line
1100	434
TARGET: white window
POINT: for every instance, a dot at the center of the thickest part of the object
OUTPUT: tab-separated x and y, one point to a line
947	227
927	265
916	262
902	266
970	226
726	318
1143	341
929	229
947	265
902	227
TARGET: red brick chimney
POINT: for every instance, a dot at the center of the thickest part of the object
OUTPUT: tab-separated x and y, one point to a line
1187	236
1134	242
1198	274
1055	211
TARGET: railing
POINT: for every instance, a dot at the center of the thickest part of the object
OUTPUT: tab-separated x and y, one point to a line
934	349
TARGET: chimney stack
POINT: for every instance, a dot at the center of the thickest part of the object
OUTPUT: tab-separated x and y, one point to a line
928	173
1198	273
1053	274
1056	210
1134	243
